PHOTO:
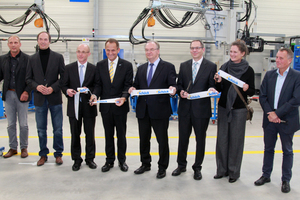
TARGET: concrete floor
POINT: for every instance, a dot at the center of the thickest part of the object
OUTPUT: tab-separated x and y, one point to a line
22	179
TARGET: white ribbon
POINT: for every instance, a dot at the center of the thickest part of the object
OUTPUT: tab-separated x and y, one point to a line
200	95
76	104
151	92
231	79
77	99
113	100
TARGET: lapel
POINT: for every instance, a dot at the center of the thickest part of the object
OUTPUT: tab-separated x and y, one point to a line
159	68
189	70
273	79
6	65
118	70
76	73
87	73
106	71
38	64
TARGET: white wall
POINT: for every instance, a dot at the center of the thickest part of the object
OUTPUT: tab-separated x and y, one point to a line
116	18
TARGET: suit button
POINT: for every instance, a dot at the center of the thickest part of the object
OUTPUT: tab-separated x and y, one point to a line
44	79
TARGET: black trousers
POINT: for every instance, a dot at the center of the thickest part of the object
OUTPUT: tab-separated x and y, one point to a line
89	130
160	127
110	121
186	123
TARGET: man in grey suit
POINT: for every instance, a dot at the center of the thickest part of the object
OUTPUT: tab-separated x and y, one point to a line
44	75
195	75
16	94
280	98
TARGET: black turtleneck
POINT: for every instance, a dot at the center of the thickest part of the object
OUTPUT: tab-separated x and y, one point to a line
44	55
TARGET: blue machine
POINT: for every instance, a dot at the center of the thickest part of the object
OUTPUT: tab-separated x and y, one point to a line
297	57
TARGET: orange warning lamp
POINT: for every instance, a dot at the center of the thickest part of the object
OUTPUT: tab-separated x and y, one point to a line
39	23
151	20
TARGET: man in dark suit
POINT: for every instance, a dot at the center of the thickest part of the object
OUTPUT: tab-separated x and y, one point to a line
16	94
81	74
44	75
280	98
154	110
114	77
196	75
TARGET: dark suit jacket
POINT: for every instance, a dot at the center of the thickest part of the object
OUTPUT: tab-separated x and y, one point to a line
118	88
21	85
204	80
288	103
159	106
53	77
71	81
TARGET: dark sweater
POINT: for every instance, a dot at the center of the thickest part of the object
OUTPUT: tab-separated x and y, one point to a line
223	86
44	56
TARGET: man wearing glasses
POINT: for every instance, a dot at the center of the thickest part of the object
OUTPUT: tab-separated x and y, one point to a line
153	111
81	74
195	75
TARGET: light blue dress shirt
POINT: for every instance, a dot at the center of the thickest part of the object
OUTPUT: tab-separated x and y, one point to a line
279	84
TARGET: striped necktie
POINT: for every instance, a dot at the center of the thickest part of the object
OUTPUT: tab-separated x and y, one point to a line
111	71
194	71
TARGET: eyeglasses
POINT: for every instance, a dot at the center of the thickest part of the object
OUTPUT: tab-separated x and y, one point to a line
83	52
151	50
196	48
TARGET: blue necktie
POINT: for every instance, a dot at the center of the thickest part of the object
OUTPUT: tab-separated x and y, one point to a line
194	71
81	78
150	74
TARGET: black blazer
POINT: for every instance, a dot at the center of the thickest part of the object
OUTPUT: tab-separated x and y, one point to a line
118	88
204	80
159	106
53	77
71	81
21	85
288	103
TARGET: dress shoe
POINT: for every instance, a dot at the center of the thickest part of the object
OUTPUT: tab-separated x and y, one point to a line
219	176
197	174
58	160
285	188
10	153
24	153
142	169
42	161
262	180
178	171
232	180
76	166
123	167
107	167
91	164
161	173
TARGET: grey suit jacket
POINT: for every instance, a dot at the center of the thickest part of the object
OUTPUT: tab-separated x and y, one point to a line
288	103
53	77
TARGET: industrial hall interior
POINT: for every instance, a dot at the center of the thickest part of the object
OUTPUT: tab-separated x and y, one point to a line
149	99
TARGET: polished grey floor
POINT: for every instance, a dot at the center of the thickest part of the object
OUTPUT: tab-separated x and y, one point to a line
22	179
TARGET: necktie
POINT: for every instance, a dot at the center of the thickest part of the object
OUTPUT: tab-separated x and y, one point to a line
81	77
194	71
150	74
111	71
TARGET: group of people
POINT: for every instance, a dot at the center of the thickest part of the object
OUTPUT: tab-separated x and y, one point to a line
112	78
